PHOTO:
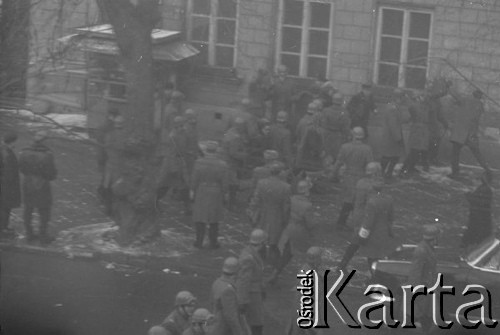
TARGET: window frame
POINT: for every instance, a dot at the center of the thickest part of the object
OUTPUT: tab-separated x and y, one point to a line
212	32
305	29
405	38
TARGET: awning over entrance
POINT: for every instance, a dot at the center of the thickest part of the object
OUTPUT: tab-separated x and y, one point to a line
166	44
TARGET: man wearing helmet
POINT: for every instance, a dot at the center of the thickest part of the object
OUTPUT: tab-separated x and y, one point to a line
200	323
297	235
270	206
225	300
354	155
336	126
235	150
250	282
282	92
178	321
281	138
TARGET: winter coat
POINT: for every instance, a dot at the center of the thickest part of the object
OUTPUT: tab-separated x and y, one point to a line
305	122
310	150
364	188
271	205
281	141
336	129
299	229
282	93
209	183
465	126
259	173
360	106
193	150
235	150
10	189
175	323
225	308
480	225
419	136
378	219
36	163
173	153
250	285
354	156
391	141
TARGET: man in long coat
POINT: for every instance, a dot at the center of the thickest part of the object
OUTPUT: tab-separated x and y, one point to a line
250	282
364	189
464	131
355	156
336	126
281	138
480	224
375	235
437	122
234	144
391	142
419	137
209	185
423	272
10	189
360	107
264	171
270	207
228	320
282	92
36	163
297	236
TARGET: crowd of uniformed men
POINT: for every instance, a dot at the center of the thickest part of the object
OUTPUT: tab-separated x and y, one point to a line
283	142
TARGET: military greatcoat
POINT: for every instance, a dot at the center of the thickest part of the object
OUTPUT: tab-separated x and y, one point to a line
225	308
250	285
419	136
391	141
355	156
299	229
466	120
271	203
209	183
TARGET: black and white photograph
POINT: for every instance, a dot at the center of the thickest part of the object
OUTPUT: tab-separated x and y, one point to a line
249	167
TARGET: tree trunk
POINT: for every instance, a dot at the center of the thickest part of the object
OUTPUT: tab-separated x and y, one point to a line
14	50
133	171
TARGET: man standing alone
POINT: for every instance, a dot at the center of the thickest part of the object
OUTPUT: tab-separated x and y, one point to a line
10	190
36	163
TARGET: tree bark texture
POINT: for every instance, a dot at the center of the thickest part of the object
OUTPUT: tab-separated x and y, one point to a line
133	169
14	50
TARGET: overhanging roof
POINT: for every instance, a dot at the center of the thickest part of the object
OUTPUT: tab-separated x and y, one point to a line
169	51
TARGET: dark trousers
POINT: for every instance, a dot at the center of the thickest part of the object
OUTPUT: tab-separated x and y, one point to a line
434	143
412	159
474	149
43	212
388	164
4	218
213	234
346	209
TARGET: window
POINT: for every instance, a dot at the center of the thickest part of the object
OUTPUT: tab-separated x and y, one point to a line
402	47
212	29
304	37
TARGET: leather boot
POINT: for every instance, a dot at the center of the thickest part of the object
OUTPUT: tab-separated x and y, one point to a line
213	235
200	234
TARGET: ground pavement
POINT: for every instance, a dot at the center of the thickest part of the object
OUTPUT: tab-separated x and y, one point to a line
78	222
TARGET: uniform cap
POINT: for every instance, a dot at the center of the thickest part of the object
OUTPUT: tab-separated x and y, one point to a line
276	167
303	187
239	120
201	315
157	330
177	95
258	236
211	146
431	232
230	266
358	133
282	116
189	113
312	107
184	298
338	98
270	155
373	169
178	119
245	102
